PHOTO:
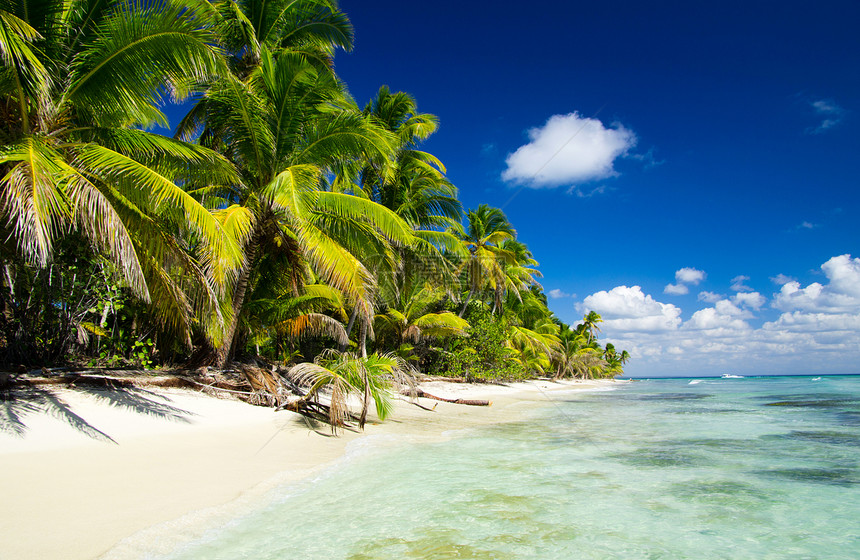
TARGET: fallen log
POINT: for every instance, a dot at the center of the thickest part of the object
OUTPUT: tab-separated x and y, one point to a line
470	402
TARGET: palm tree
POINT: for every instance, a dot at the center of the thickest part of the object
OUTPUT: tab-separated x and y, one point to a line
488	228
69	160
275	315
413	320
283	126
416	188
519	272
536	348
589	324
413	186
589	362
342	374
313	29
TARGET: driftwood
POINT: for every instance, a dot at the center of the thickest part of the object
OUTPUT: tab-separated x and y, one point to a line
471	402
423	378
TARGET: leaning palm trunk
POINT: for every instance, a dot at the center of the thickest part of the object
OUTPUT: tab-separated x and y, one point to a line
225	349
366	401
466	303
349	325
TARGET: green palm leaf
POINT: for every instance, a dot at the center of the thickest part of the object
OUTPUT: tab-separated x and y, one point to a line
171	41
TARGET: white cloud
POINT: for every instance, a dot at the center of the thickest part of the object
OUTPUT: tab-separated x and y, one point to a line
575	190
781	279
751	300
729	308
830	113
690	276
683	277
815	329
629	309
799	321
710	297
844	275
713	318
558	294
676	289
567	150
841	294
738	284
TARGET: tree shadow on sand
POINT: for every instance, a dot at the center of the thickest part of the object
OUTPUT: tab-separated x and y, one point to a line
17	403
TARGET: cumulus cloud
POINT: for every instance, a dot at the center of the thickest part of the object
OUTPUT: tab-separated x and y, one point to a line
676	289
712	318
710	297
799	321
738	284
781	279
841	294
690	275
567	150
683	277
730	313
751	300
805	329
558	294
629	309
830	113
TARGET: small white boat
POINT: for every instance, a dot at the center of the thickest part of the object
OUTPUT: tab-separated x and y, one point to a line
730	376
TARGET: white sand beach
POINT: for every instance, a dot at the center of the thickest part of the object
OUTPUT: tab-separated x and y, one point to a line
95	473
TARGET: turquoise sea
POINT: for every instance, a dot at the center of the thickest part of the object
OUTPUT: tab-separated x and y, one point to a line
765	467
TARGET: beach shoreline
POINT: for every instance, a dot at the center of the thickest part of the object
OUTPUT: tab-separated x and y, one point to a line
126	473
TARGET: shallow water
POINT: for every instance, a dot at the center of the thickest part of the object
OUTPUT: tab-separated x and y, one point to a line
718	468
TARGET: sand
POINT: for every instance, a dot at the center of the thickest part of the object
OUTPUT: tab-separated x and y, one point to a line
88	473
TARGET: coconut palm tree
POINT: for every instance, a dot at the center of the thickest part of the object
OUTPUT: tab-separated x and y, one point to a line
413	185
589	363
283	126
75	156
519	273
416	188
589	324
276	317
487	229
413	320
313	29
536	349
341	374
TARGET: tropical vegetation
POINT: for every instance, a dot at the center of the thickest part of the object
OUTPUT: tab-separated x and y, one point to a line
282	223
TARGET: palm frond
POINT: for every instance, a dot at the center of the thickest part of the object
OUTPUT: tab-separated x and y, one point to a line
314	324
135	178
173	42
33	197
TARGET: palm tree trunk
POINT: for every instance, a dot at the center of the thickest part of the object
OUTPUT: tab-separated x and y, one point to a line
366	401
224	351
362	339
466	303
349	326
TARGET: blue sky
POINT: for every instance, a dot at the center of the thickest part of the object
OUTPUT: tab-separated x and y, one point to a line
683	168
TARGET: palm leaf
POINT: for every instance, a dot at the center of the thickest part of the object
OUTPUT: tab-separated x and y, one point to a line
33	197
173	42
137	179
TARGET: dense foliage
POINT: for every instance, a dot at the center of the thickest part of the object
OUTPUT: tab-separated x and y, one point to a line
284	222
